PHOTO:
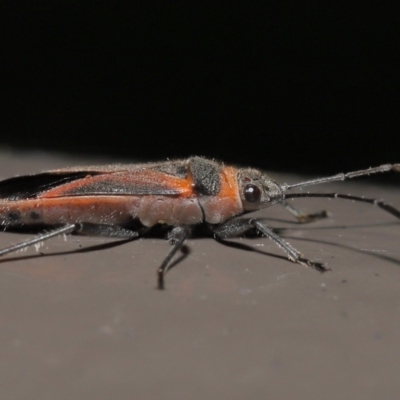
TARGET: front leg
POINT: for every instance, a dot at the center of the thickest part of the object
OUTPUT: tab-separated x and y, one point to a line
239	226
303	218
232	228
176	237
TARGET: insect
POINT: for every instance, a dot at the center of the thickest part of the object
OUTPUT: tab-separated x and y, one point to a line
130	201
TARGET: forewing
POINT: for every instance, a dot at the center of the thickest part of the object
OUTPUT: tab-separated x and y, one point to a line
124	183
167	178
29	186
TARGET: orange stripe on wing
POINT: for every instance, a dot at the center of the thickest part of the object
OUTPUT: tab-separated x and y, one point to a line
126	183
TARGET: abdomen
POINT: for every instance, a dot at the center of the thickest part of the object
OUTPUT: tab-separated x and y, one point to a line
149	210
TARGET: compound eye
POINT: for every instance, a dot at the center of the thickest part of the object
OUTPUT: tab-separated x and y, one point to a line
252	193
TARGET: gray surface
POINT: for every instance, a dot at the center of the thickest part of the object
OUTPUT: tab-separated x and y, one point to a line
232	323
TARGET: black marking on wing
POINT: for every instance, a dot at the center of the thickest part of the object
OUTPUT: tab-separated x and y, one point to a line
206	176
174	168
29	186
118	188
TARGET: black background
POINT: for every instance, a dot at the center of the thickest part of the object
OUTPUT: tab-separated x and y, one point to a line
291	87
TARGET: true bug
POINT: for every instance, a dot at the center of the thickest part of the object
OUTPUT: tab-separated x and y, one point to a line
129	201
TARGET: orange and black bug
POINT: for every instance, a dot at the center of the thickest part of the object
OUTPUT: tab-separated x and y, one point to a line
129	201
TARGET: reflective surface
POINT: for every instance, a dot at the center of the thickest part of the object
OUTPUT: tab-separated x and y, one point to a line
232	323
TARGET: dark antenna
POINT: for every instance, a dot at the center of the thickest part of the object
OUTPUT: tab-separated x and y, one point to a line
341	177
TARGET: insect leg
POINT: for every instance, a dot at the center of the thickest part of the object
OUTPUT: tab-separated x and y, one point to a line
380	203
232	228
59	231
176	237
293	254
106	230
237	227
303	218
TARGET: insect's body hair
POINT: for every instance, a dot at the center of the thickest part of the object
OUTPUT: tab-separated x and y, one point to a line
179	197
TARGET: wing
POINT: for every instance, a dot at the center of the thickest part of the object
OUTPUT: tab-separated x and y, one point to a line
134	182
29	186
